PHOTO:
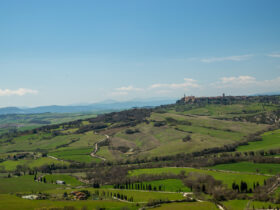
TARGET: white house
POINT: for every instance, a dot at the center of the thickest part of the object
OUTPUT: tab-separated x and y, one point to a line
60	182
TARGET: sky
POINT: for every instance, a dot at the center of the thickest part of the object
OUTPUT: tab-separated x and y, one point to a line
85	51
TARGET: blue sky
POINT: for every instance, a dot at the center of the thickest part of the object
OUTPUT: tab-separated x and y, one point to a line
69	52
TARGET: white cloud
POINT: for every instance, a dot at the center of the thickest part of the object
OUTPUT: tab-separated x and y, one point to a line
18	92
275	55
129	88
189	83
238	80
248	83
163	92
119	93
228	58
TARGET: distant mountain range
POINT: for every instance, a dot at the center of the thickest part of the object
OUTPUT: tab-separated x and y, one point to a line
267	93
96	107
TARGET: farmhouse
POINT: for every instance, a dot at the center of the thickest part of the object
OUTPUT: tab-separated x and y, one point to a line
30	197
60	182
77	195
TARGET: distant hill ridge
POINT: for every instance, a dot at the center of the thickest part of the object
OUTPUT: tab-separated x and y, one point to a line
103	106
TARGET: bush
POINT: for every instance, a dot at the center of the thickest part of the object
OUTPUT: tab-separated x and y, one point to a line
131	131
187	138
159	123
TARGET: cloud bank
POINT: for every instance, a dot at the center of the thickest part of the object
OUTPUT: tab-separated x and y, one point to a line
188	83
18	92
275	55
233	85
228	58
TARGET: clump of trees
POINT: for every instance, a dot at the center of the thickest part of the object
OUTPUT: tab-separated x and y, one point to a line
132	131
139	186
115	195
159	123
243	187
198	183
187	138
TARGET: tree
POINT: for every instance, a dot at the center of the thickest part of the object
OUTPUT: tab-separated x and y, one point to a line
187	138
65	195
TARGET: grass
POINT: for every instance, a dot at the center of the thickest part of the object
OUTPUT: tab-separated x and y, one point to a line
266	205
270	140
151	141
205	133
244	204
235	204
45	141
14	203
226	177
78	154
34	142
145	196
264	168
23	184
138	196
188	206
169	185
22	122
10	165
229	111
106	153
69	180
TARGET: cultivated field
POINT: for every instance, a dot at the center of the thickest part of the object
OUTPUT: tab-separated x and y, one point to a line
263	168
226	177
14	203
271	140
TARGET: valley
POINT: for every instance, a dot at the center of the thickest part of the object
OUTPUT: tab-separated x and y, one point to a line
207	154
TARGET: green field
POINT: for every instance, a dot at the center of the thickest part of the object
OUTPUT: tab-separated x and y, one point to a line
69	180
150	140
204	131
264	168
271	140
226	177
12	202
229	111
23	122
10	165
188	206
135	138
79	155
138	195
106	153
235	204
243	204
169	185
23	184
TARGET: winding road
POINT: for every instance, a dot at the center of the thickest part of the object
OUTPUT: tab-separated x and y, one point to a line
95	149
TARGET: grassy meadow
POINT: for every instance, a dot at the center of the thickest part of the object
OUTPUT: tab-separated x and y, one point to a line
205	132
226	177
248	204
188	206
69	180
14	203
138	196
263	168
23	184
10	165
23	122
270	140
